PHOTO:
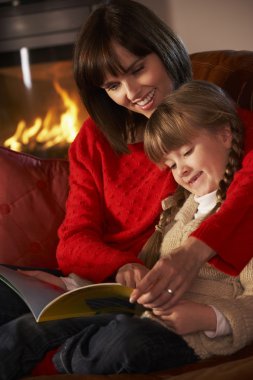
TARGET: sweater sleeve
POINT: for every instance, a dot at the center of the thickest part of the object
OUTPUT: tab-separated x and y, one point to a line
232	224
238	311
82	248
113	204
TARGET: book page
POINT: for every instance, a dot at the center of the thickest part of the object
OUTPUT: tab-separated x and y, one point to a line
34	292
90	300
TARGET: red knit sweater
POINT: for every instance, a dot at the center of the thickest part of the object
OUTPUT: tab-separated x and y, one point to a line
114	202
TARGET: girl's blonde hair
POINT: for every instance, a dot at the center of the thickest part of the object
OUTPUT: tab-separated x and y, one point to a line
196	106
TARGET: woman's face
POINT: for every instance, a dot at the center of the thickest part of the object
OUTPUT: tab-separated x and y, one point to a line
142	86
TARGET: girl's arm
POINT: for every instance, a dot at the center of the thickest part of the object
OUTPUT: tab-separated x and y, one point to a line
188	317
239	310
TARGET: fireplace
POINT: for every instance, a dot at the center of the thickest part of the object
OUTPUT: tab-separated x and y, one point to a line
40	109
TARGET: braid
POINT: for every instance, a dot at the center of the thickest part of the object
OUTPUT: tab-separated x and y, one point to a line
234	162
150	252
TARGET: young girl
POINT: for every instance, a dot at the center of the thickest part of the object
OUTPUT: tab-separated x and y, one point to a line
196	133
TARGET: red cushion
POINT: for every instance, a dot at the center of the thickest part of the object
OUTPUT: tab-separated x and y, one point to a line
33	192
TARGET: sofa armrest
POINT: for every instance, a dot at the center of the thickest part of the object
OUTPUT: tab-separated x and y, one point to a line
33	192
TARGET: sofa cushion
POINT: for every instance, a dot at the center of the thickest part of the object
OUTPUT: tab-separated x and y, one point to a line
33	192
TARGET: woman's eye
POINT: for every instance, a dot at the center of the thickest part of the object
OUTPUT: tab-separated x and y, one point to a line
138	69
173	167
112	87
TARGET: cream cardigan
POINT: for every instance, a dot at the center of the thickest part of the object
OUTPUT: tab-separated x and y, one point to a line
233	296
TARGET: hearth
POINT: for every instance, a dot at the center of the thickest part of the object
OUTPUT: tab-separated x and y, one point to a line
40	109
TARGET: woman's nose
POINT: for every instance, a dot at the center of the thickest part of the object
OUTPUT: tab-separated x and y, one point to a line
131	90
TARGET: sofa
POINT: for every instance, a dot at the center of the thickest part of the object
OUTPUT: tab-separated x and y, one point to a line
33	192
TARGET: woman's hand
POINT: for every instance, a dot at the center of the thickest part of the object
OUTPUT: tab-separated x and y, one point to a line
171	276
188	317
131	274
44	276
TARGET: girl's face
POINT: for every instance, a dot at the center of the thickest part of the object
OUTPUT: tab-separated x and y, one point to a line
142	86
200	165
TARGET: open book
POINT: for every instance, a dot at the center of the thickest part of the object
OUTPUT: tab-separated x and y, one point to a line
48	302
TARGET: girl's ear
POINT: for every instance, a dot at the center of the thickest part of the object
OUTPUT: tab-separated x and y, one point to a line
226	136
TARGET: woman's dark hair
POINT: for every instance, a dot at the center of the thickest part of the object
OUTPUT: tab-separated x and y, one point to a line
140	31
195	107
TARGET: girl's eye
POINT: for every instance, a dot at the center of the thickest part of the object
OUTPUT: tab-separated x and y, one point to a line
173	167
188	152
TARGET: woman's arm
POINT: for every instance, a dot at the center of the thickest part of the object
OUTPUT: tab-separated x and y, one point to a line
82	248
175	272
113	204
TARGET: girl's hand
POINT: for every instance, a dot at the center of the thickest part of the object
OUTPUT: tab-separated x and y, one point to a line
131	274
44	276
175	273
188	317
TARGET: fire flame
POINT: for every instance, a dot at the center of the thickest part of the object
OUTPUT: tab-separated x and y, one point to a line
45	134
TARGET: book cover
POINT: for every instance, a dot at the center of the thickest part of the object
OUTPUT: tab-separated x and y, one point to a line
49	302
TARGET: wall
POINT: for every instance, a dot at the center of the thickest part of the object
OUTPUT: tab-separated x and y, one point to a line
208	24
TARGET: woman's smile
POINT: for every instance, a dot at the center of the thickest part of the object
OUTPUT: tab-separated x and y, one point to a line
142	85
147	102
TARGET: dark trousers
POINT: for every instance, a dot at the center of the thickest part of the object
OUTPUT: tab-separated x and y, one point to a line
122	344
101	344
